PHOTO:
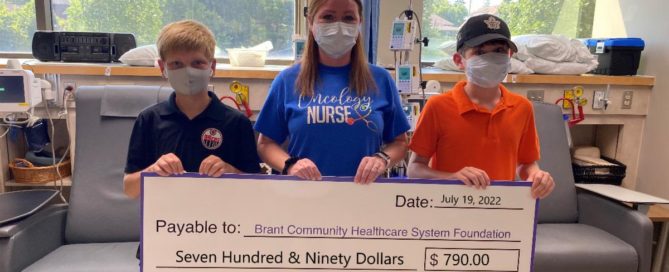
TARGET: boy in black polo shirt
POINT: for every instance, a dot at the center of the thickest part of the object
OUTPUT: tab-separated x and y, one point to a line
192	131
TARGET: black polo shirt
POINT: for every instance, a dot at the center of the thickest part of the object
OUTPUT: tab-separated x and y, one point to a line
219	130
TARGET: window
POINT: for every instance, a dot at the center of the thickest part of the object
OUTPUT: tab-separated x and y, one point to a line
442	19
17	25
235	23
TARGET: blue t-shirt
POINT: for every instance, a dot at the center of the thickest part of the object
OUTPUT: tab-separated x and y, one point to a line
335	128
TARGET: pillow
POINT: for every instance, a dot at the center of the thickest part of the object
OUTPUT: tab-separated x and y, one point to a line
449	47
141	56
556	48
447	64
519	67
543	66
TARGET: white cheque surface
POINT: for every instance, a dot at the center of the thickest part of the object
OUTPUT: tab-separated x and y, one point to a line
247	223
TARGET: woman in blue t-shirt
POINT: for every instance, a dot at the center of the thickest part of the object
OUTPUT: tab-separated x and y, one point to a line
341	115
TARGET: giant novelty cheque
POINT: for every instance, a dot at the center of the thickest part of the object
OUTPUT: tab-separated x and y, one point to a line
271	223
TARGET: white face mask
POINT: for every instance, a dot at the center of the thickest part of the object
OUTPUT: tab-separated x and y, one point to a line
336	39
188	80
488	70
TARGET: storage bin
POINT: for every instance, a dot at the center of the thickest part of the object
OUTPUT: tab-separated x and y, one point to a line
25	172
619	56
602	174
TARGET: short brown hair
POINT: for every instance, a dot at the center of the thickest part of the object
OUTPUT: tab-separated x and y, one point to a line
189	35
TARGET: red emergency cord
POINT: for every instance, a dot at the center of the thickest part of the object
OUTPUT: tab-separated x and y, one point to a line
247	109
574	119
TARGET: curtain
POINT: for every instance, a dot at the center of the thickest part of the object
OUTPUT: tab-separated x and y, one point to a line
370	26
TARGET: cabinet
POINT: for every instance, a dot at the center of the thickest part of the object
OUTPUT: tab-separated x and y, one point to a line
13	145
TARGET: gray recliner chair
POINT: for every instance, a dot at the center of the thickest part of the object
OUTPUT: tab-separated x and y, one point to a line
579	231
99	230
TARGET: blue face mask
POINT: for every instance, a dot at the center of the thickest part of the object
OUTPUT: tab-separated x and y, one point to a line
488	70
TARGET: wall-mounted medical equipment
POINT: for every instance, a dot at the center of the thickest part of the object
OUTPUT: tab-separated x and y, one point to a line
19	90
299	43
412	111
403	35
406	78
241	99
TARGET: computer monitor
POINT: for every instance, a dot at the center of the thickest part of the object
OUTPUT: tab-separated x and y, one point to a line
19	90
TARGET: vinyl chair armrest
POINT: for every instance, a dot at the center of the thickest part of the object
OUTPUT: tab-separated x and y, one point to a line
25	241
629	225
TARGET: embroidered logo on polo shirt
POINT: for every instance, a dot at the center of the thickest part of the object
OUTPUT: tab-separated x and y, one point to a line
211	138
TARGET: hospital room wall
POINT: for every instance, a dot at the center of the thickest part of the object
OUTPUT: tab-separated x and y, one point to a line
646	19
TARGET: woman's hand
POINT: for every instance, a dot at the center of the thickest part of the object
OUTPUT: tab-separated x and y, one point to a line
305	169
369	169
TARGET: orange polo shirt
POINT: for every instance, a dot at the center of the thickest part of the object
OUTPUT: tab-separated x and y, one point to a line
455	133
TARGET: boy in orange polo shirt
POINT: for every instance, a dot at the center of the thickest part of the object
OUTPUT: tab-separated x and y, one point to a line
479	130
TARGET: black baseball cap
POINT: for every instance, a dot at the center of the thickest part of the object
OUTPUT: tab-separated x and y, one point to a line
483	28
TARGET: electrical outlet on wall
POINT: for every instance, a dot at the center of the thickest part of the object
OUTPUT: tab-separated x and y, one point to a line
627	100
535	95
69	87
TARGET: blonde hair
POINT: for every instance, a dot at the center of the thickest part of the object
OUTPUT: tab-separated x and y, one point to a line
360	77
189	35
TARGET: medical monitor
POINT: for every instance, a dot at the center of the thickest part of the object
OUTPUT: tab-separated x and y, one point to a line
19	90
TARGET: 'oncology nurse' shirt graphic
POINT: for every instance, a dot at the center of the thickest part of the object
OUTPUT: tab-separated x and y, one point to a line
344	107
335	127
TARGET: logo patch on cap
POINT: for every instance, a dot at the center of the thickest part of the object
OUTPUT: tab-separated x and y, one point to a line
492	23
211	138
